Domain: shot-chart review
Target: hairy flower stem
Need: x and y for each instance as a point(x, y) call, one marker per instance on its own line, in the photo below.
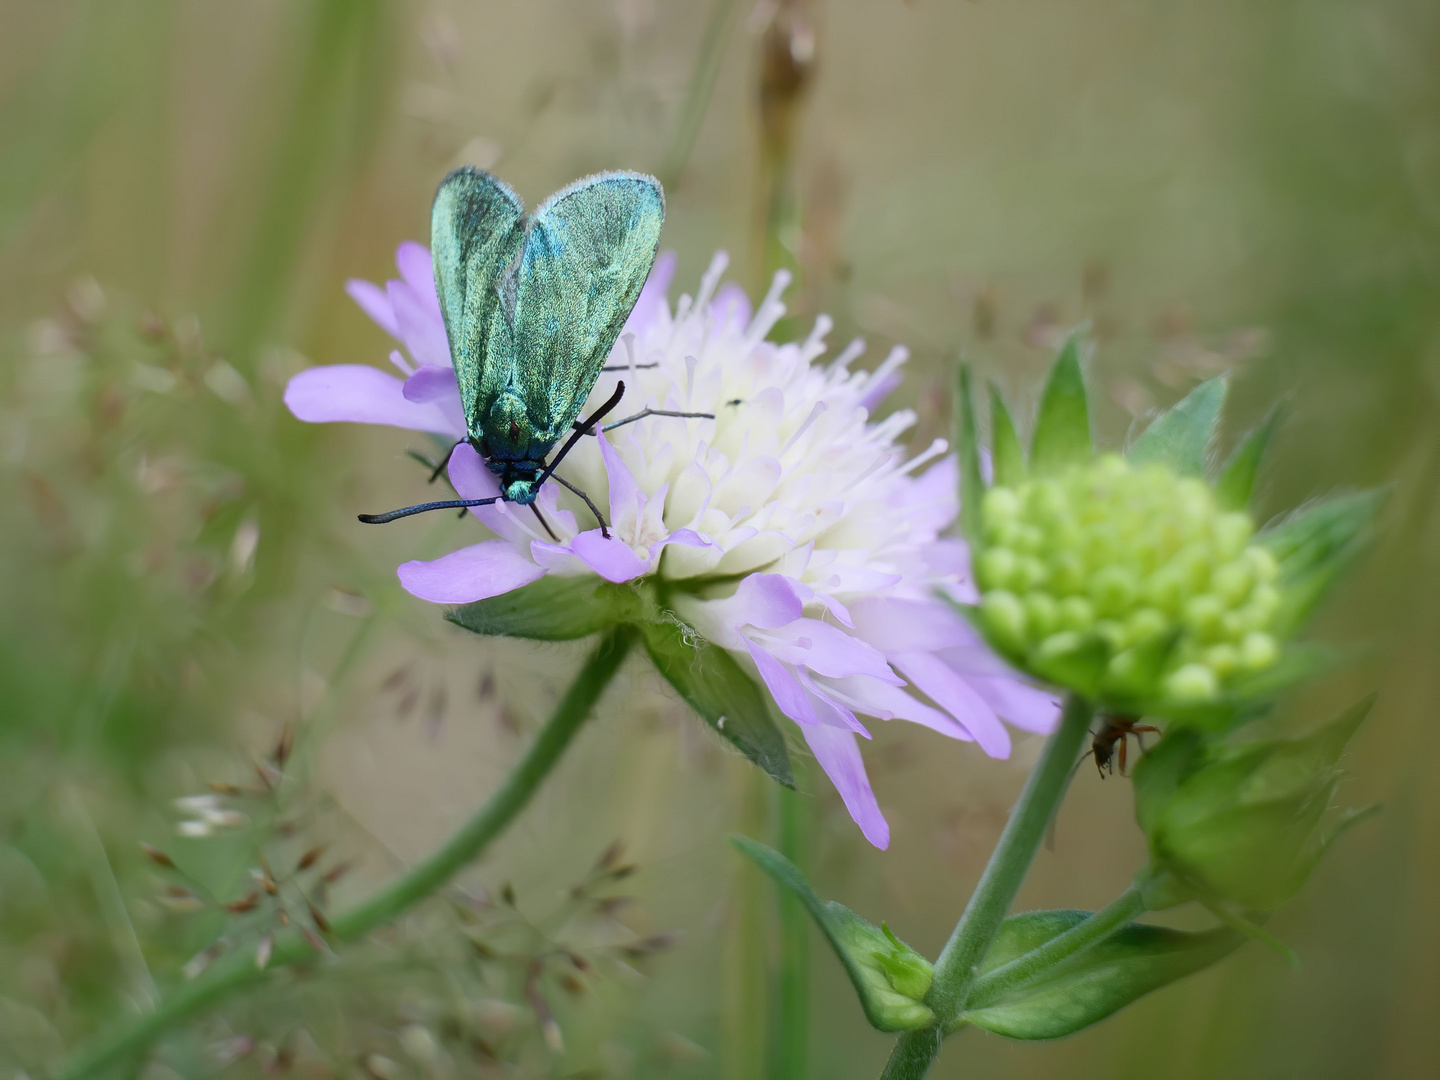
point(793, 1051)
point(990, 903)
point(239, 969)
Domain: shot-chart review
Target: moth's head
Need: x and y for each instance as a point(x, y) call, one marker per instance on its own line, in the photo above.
point(520, 489)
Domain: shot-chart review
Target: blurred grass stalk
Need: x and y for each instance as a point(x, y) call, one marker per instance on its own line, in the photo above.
point(786, 64)
point(326, 134)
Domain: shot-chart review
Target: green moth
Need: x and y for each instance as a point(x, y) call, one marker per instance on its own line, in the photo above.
point(532, 305)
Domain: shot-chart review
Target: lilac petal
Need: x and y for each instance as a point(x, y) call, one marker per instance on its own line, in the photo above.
point(361, 394)
point(893, 625)
point(946, 688)
point(828, 709)
point(653, 296)
point(836, 751)
point(764, 600)
point(558, 559)
point(472, 573)
point(431, 383)
point(612, 559)
point(469, 474)
point(731, 305)
point(1027, 707)
point(789, 695)
point(689, 537)
point(893, 703)
point(375, 303)
point(422, 329)
point(684, 537)
point(627, 501)
point(930, 498)
point(418, 270)
point(472, 480)
point(826, 650)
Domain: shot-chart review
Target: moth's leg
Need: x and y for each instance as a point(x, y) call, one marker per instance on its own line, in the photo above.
point(643, 413)
point(435, 475)
point(541, 518)
point(604, 528)
point(582, 428)
point(631, 367)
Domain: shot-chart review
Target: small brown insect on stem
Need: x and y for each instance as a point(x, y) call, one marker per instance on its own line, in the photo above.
point(1112, 741)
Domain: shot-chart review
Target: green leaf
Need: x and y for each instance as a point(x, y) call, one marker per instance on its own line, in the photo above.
point(1006, 456)
point(720, 691)
point(1093, 984)
point(554, 608)
point(1314, 546)
point(1237, 479)
point(1182, 435)
point(1062, 426)
point(890, 977)
point(967, 439)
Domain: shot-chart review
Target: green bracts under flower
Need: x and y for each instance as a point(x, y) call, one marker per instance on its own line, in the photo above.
point(1242, 823)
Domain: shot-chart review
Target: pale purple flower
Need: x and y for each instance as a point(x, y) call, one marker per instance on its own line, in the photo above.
point(791, 528)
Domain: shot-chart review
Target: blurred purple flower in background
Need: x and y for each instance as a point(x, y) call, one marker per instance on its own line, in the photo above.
point(789, 530)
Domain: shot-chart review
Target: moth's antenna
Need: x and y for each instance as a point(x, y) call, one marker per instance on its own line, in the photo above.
point(541, 518)
point(604, 528)
point(582, 428)
point(422, 508)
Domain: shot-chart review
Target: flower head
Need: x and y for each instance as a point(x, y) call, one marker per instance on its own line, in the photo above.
point(1141, 582)
point(790, 530)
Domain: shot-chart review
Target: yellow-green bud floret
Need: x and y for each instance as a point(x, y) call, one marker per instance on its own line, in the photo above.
point(1137, 558)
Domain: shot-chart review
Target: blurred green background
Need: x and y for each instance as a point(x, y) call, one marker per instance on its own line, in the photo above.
point(184, 188)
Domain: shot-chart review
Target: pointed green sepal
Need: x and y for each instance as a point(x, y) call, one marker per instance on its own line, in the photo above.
point(890, 977)
point(1006, 456)
point(1062, 425)
point(1242, 823)
point(721, 693)
point(554, 608)
point(967, 441)
point(1236, 483)
point(1182, 436)
point(1314, 546)
point(1093, 984)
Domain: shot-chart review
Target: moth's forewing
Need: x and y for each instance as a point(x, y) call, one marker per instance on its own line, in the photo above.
point(477, 228)
point(587, 254)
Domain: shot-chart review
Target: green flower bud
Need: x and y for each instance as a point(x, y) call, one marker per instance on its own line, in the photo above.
point(1042, 613)
point(1242, 822)
point(996, 568)
point(1004, 618)
point(1081, 560)
point(1192, 682)
point(890, 977)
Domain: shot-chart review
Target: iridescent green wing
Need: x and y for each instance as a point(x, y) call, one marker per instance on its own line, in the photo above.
point(587, 254)
point(476, 233)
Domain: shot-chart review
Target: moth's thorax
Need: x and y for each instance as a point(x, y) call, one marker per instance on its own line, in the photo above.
point(512, 449)
point(509, 434)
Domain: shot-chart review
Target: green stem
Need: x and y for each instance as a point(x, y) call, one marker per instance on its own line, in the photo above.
point(993, 985)
point(794, 1034)
point(238, 969)
point(990, 903)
